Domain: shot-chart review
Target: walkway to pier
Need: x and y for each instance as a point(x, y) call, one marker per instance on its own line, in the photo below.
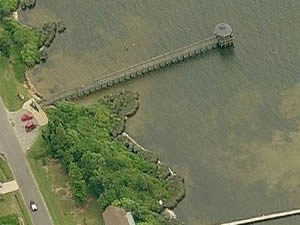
point(264, 218)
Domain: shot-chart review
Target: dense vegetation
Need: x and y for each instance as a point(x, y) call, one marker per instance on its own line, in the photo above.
point(19, 43)
point(80, 137)
point(9, 220)
point(8, 6)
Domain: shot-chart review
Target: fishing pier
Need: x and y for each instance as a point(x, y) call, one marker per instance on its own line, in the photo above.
point(222, 38)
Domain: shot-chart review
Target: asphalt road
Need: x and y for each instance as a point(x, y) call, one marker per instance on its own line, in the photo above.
point(16, 158)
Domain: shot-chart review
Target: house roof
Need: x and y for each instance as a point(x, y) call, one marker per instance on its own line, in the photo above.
point(223, 29)
point(116, 216)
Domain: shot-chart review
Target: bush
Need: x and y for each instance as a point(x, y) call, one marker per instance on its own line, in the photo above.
point(26, 40)
point(4, 43)
point(9, 220)
point(8, 6)
point(18, 42)
point(78, 185)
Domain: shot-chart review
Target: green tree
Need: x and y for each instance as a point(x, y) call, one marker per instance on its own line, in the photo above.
point(8, 6)
point(79, 189)
point(4, 43)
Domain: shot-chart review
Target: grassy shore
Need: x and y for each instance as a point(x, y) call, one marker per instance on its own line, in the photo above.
point(10, 86)
point(54, 185)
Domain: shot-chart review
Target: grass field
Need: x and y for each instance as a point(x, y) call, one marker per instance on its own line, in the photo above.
point(5, 173)
point(12, 203)
point(10, 86)
point(53, 183)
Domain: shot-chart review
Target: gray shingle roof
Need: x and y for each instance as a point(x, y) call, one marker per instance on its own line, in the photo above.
point(223, 29)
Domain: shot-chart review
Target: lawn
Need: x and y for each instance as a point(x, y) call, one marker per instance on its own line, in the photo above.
point(10, 86)
point(53, 183)
point(12, 203)
point(5, 173)
point(9, 220)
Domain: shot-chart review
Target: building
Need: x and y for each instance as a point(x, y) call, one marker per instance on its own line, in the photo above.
point(224, 34)
point(116, 216)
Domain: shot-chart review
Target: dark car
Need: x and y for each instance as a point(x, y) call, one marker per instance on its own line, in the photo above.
point(33, 206)
point(30, 126)
point(26, 117)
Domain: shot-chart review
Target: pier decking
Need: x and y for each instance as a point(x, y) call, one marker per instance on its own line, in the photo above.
point(264, 218)
point(144, 67)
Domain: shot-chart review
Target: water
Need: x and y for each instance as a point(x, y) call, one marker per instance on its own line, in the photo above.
point(228, 122)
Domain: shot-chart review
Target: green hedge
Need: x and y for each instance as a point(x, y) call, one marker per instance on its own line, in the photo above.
point(9, 220)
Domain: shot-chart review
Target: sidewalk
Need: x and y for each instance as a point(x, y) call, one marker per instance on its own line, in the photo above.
point(9, 187)
point(39, 114)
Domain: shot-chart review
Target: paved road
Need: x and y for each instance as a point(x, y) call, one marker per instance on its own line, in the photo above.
point(16, 158)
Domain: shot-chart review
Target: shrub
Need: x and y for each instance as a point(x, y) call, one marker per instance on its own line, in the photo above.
point(9, 220)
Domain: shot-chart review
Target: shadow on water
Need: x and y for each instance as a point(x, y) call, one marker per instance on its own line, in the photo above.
point(227, 54)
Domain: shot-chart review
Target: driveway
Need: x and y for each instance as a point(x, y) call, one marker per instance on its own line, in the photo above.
point(26, 139)
point(16, 158)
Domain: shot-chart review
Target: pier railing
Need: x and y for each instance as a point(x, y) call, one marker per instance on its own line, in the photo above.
point(263, 218)
point(136, 70)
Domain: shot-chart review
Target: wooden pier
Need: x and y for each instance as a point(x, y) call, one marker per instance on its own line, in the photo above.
point(265, 218)
point(222, 38)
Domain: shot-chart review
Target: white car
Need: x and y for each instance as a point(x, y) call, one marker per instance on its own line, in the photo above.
point(33, 206)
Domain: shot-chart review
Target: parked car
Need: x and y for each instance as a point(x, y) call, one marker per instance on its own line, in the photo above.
point(30, 126)
point(27, 116)
point(33, 206)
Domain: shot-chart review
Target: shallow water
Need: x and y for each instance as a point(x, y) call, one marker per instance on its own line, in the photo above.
point(228, 121)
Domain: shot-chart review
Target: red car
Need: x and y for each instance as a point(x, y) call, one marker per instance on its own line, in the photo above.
point(30, 126)
point(26, 117)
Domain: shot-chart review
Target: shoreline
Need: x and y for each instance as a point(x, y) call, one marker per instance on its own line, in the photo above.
point(16, 16)
point(32, 91)
point(166, 211)
point(174, 182)
point(49, 30)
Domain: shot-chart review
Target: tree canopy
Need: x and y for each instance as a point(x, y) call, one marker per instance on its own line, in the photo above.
point(96, 162)
point(8, 6)
point(18, 42)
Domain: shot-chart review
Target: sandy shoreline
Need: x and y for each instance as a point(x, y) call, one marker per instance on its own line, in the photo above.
point(16, 15)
